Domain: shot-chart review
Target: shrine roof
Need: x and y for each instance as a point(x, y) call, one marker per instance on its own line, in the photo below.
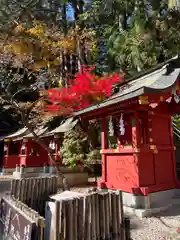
point(66, 126)
point(155, 80)
point(17, 134)
point(22, 133)
point(40, 131)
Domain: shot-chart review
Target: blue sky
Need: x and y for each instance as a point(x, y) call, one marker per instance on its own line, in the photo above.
point(70, 12)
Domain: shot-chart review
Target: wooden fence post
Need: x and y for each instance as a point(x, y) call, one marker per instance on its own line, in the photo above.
point(85, 217)
point(107, 215)
point(127, 228)
point(56, 232)
point(89, 233)
point(94, 220)
point(117, 216)
point(70, 219)
point(80, 218)
point(102, 216)
point(121, 215)
point(97, 212)
point(75, 218)
point(114, 216)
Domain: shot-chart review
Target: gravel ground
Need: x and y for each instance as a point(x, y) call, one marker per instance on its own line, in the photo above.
point(161, 226)
point(5, 185)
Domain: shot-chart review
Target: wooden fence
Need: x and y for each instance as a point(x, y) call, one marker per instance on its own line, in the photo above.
point(18, 221)
point(34, 191)
point(95, 216)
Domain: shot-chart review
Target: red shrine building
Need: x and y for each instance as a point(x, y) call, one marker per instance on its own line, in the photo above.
point(21, 150)
point(12, 149)
point(137, 142)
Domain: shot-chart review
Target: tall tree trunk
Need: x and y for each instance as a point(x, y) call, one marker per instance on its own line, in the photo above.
point(64, 60)
point(84, 51)
point(78, 43)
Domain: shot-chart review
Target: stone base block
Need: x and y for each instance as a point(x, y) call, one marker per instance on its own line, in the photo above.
point(11, 171)
point(141, 213)
point(7, 171)
point(38, 171)
point(146, 206)
point(153, 200)
point(74, 179)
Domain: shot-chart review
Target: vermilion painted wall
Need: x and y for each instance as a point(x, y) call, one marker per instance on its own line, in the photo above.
point(34, 160)
point(121, 172)
point(149, 165)
point(11, 161)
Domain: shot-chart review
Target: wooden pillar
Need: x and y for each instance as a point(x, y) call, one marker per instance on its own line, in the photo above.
point(23, 156)
point(104, 144)
point(6, 148)
point(54, 146)
point(173, 152)
point(24, 147)
point(57, 150)
point(6, 154)
point(136, 131)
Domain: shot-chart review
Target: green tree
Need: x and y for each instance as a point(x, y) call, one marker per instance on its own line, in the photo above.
point(26, 22)
point(135, 34)
point(74, 147)
point(79, 145)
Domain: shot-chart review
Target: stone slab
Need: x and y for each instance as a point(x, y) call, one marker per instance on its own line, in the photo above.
point(66, 195)
point(141, 213)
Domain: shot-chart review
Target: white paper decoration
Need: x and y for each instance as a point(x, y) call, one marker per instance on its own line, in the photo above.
point(111, 127)
point(121, 126)
point(52, 145)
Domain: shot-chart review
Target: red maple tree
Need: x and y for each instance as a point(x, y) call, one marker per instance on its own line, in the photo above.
point(85, 90)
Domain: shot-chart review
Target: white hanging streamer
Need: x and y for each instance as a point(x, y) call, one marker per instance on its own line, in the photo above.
point(52, 145)
point(176, 97)
point(121, 126)
point(5, 148)
point(23, 147)
point(111, 127)
point(153, 105)
point(169, 100)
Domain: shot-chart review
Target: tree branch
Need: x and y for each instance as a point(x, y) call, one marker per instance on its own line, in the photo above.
point(26, 123)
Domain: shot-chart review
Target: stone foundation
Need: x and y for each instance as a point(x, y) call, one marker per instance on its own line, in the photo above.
point(145, 206)
point(7, 171)
point(50, 169)
point(74, 176)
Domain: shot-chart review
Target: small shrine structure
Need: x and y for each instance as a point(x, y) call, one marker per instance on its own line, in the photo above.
point(20, 148)
point(32, 155)
point(138, 152)
point(12, 149)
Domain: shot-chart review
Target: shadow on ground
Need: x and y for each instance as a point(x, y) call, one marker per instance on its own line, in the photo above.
point(5, 186)
point(170, 212)
point(136, 223)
